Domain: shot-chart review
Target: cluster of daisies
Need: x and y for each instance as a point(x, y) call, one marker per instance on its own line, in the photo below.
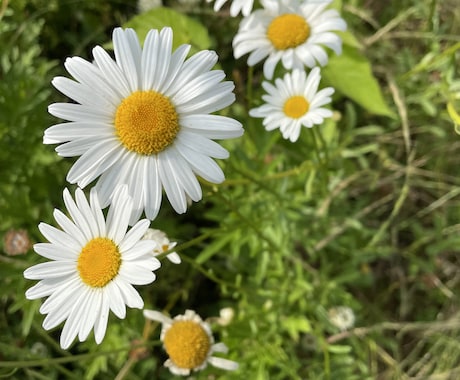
point(143, 123)
point(140, 124)
point(294, 32)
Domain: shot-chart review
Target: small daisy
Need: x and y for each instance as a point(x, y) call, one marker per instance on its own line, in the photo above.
point(243, 6)
point(290, 31)
point(342, 317)
point(144, 119)
point(95, 263)
point(163, 244)
point(294, 102)
point(189, 342)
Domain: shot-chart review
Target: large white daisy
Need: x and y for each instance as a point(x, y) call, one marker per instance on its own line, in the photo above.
point(95, 263)
point(243, 6)
point(294, 102)
point(290, 31)
point(189, 343)
point(144, 119)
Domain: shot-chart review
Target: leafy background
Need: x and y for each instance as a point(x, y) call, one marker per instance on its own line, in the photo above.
point(362, 211)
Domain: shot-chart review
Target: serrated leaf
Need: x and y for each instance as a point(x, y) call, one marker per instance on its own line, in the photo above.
point(186, 30)
point(350, 73)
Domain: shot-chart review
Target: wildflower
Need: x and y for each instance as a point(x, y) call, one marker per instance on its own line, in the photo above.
point(144, 119)
point(95, 263)
point(189, 343)
point(163, 244)
point(16, 242)
point(243, 6)
point(342, 317)
point(225, 316)
point(147, 5)
point(290, 31)
point(294, 102)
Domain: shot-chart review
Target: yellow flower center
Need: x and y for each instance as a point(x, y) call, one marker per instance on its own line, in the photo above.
point(296, 106)
point(146, 122)
point(187, 344)
point(99, 262)
point(288, 31)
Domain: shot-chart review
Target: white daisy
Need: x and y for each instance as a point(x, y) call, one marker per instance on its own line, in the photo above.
point(144, 119)
point(243, 6)
point(189, 343)
point(163, 244)
point(342, 317)
point(294, 102)
point(290, 31)
point(95, 263)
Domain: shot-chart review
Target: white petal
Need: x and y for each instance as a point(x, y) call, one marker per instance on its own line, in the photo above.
point(69, 227)
point(100, 325)
point(130, 295)
point(127, 55)
point(152, 188)
point(136, 274)
point(171, 183)
point(76, 214)
point(112, 73)
point(116, 303)
point(50, 269)
point(119, 214)
point(223, 363)
point(134, 235)
point(212, 126)
point(157, 316)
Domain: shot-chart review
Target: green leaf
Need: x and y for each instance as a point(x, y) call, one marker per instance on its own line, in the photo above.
point(186, 30)
point(339, 349)
point(295, 325)
point(350, 73)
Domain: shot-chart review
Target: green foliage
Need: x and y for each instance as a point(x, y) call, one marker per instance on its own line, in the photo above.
point(186, 29)
point(363, 211)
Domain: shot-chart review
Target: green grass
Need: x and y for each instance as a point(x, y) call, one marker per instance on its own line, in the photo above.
point(363, 211)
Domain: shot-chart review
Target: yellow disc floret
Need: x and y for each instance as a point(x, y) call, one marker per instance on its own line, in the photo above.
point(296, 106)
point(187, 344)
point(288, 31)
point(99, 262)
point(146, 122)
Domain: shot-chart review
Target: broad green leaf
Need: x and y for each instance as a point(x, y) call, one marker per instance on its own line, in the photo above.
point(186, 30)
point(350, 73)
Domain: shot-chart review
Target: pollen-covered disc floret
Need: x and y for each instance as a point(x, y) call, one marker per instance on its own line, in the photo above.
point(237, 6)
point(293, 102)
point(144, 119)
point(189, 343)
point(94, 263)
point(291, 31)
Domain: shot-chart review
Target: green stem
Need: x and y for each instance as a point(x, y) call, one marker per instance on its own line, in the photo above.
point(52, 361)
point(321, 162)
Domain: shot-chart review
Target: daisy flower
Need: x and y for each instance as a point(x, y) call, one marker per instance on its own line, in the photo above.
point(95, 263)
point(294, 102)
point(189, 342)
point(342, 317)
point(243, 6)
point(163, 244)
point(144, 119)
point(290, 31)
